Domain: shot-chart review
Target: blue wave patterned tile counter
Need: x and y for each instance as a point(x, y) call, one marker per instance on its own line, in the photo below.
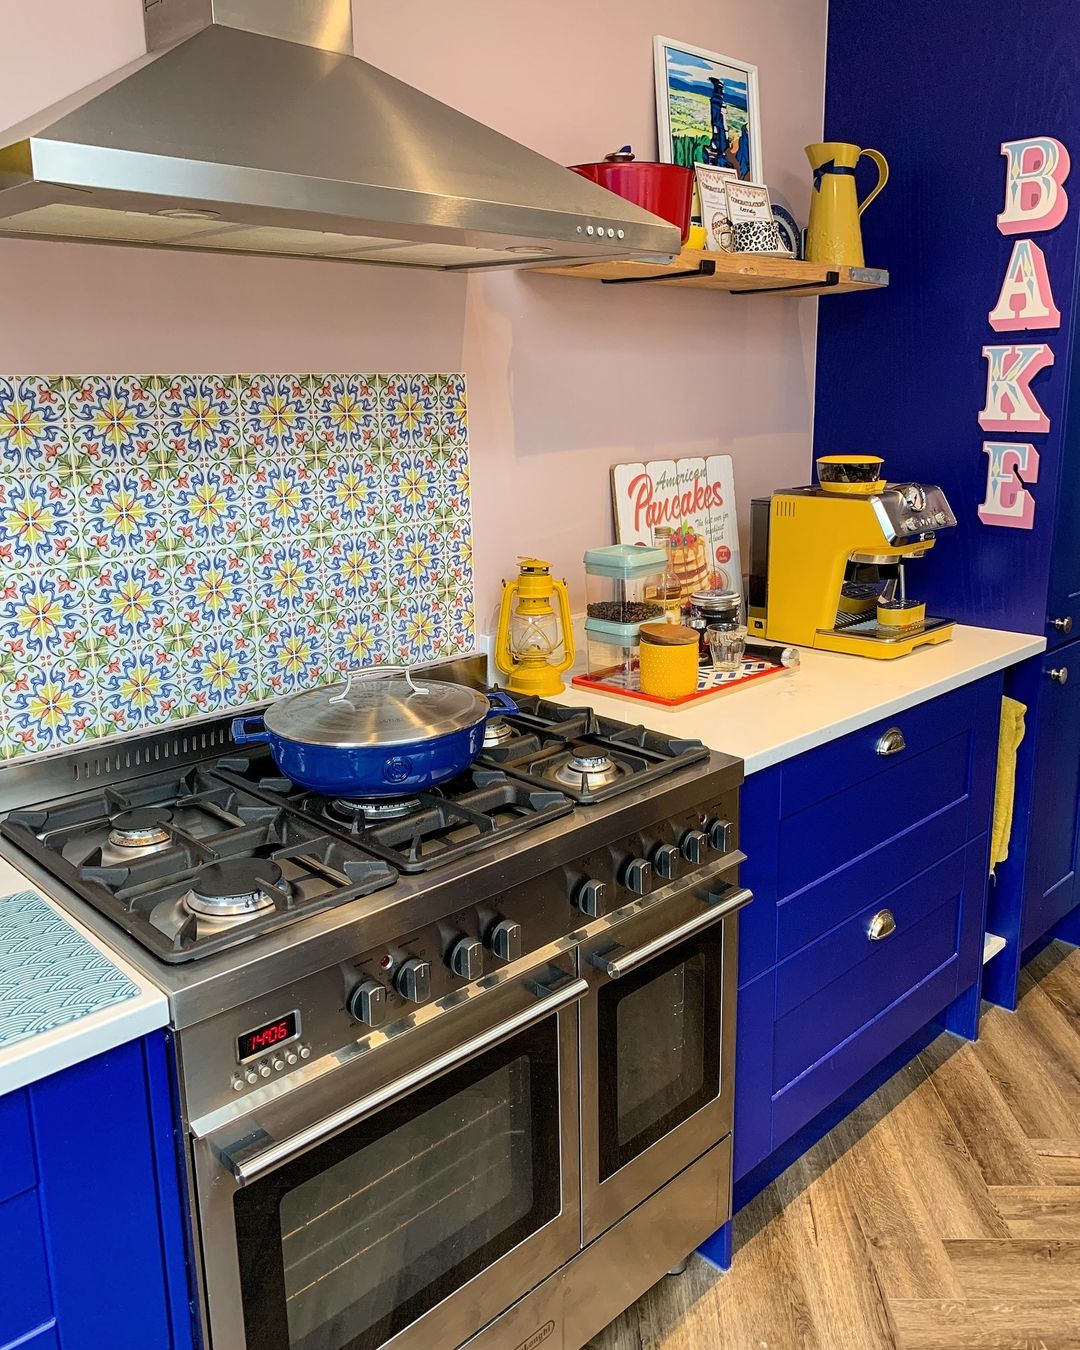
point(50, 975)
point(174, 546)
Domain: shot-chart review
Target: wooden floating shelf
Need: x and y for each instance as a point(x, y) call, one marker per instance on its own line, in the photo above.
point(737, 273)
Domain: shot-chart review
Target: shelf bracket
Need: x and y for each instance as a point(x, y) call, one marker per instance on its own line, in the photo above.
point(705, 268)
point(829, 279)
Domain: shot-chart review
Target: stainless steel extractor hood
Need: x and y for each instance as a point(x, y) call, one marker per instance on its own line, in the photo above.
point(251, 127)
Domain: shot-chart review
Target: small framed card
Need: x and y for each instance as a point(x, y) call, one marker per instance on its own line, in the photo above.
point(747, 201)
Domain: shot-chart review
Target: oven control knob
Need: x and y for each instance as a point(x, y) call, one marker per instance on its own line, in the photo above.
point(237, 1083)
point(467, 958)
point(505, 940)
point(264, 1070)
point(638, 876)
point(367, 1004)
point(591, 898)
point(695, 844)
point(413, 980)
point(721, 835)
point(290, 1056)
point(666, 859)
point(277, 1064)
point(250, 1076)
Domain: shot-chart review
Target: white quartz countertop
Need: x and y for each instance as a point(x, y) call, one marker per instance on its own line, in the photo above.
point(827, 696)
point(64, 996)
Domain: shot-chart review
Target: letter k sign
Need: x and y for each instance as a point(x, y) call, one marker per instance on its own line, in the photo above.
point(1010, 405)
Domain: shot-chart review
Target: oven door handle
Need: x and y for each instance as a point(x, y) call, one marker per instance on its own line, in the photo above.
point(248, 1159)
point(719, 905)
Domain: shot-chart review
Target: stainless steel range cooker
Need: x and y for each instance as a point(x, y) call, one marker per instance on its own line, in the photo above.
point(455, 1070)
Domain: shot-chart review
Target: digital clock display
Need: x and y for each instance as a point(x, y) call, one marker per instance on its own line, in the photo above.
point(268, 1036)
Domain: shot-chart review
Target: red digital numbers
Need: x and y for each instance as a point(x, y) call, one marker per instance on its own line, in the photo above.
point(262, 1038)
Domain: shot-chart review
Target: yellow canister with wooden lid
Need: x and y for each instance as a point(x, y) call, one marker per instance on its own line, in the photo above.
point(668, 658)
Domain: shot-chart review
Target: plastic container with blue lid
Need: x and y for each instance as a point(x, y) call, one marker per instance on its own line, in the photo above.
point(624, 583)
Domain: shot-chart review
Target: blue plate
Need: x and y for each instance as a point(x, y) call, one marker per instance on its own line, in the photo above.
point(790, 234)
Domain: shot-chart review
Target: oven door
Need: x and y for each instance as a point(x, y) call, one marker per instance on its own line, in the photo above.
point(404, 1195)
point(657, 1044)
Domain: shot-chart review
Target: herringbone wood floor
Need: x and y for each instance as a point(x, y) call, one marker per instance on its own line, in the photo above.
point(943, 1214)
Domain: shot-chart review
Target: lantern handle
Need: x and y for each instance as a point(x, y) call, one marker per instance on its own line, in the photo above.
point(567, 626)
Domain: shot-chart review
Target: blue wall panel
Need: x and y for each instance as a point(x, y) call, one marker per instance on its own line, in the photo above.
point(937, 88)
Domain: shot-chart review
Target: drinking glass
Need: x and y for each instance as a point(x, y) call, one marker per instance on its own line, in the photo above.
point(727, 643)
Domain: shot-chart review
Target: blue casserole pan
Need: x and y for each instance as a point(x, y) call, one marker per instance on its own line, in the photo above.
point(378, 736)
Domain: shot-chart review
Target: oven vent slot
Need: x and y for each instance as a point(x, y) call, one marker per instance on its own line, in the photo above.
point(139, 756)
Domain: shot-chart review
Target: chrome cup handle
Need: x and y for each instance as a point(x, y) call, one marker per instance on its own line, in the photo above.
point(372, 674)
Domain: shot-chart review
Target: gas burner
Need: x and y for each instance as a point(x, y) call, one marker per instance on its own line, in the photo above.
point(588, 770)
point(143, 828)
point(497, 732)
point(372, 809)
point(234, 888)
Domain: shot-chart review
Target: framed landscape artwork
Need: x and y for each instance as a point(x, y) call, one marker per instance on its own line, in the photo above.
point(707, 109)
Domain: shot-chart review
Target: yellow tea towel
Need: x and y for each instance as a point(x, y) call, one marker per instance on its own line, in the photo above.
point(1012, 733)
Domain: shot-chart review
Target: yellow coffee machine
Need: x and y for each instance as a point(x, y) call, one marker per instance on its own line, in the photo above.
point(827, 565)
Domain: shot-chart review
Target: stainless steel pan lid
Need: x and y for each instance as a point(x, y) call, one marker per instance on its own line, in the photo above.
point(376, 708)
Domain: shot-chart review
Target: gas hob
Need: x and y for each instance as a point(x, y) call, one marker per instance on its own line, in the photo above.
point(218, 878)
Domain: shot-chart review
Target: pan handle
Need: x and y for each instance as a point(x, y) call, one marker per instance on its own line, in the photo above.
point(500, 703)
point(249, 730)
point(368, 674)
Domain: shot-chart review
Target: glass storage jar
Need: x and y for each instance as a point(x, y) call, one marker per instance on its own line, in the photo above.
point(613, 652)
point(713, 609)
point(623, 583)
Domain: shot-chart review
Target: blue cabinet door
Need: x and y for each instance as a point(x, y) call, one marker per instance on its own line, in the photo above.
point(1063, 607)
point(1050, 884)
point(92, 1227)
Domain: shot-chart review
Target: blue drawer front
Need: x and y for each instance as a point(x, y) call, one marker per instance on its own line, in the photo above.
point(17, 1169)
point(842, 981)
point(854, 820)
point(854, 759)
point(25, 1297)
point(860, 988)
point(803, 917)
point(43, 1339)
point(818, 1088)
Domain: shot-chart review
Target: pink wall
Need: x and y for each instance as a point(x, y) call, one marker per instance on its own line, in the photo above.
point(565, 377)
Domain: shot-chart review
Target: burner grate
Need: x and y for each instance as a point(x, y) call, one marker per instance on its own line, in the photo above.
point(478, 808)
point(553, 741)
point(211, 823)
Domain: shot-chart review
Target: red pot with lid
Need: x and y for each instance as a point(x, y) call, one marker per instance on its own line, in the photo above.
point(664, 189)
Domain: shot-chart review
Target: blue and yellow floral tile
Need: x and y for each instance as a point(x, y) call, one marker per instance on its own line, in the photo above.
point(178, 545)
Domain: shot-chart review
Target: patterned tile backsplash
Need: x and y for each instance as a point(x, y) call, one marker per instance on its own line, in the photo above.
point(174, 546)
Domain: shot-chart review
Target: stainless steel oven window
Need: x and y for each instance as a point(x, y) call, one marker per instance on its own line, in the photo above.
point(347, 1245)
point(658, 1049)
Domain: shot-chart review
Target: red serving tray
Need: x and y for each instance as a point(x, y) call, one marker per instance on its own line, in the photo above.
point(716, 682)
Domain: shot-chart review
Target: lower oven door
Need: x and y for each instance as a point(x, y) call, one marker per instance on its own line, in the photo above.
point(404, 1195)
point(657, 1044)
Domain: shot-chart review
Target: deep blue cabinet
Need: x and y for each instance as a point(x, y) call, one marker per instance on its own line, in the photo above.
point(902, 372)
point(1050, 883)
point(869, 872)
point(91, 1220)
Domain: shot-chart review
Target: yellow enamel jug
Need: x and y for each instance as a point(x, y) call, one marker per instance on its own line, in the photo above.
point(833, 235)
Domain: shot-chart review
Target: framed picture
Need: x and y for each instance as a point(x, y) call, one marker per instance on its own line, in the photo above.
point(707, 109)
